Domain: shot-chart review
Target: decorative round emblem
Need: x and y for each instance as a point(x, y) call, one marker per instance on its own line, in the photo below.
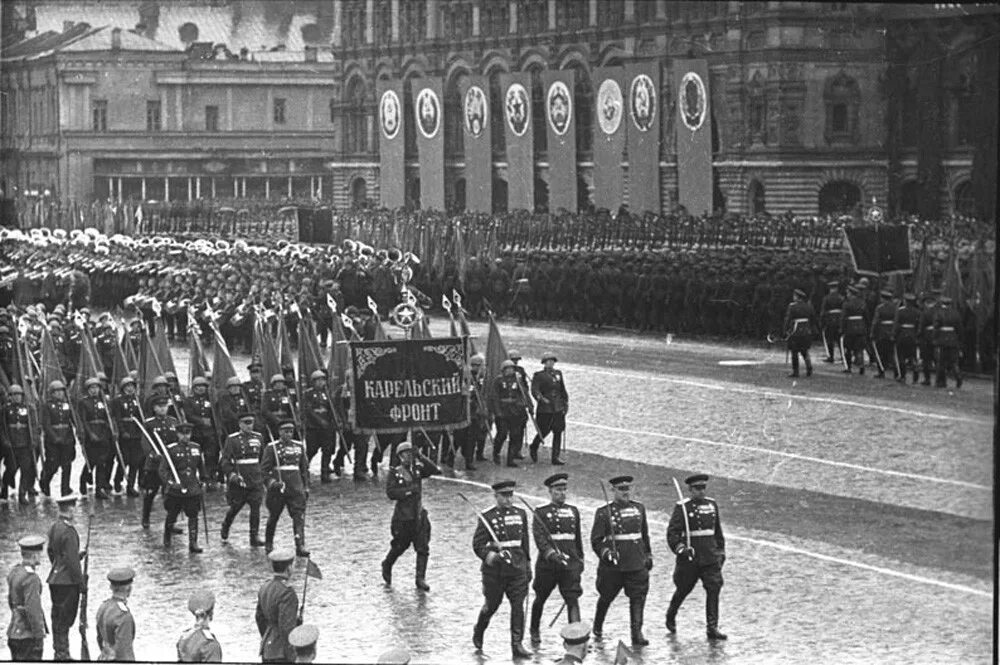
point(476, 111)
point(642, 102)
point(388, 112)
point(405, 315)
point(428, 109)
point(559, 105)
point(517, 109)
point(609, 106)
point(875, 214)
point(693, 102)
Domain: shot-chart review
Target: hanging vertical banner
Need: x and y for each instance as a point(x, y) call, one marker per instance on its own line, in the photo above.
point(561, 132)
point(429, 122)
point(478, 144)
point(694, 136)
point(609, 137)
point(392, 180)
point(643, 106)
point(520, 141)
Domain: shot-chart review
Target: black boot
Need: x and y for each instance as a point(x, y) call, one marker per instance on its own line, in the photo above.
point(479, 632)
point(636, 607)
point(224, 535)
point(422, 572)
point(534, 627)
point(193, 536)
point(675, 605)
point(517, 650)
point(599, 613)
point(168, 531)
point(147, 508)
point(712, 616)
point(387, 568)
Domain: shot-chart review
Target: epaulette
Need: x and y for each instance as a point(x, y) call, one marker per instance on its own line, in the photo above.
point(122, 606)
point(683, 501)
point(708, 498)
point(207, 633)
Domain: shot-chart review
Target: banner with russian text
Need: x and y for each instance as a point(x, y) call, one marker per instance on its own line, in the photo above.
point(609, 137)
point(403, 385)
point(392, 178)
point(429, 122)
point(694, 135)
point(520, 141)
point(478, 144)
point(643, 104)
point(560, 130)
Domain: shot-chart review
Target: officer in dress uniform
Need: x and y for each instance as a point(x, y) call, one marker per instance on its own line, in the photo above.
point(904, 331)
point(556, 529)
point(240, 462)
point(925, 336)
point(285, 468)
point(182, 474)
point(410, 523)
point(124, 408)
point(231, 404)
point(66, 575)
point(27, 629)
point(575, 637)
point(947, 343)
point(17, 432)
point(319, 423)
point(162, 429)
point(620, 538)
point(197, 644)
point(277, 610)
point(199, 412)
point(701, 552)
point(60, 443)
point(303, 641)
point(881, 333)
point(853, 318)
point(510, 407)
point(549, 390)
point(115, 624)
point(506, 568)
point(800, 317)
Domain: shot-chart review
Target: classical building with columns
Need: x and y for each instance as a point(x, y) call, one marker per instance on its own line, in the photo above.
point(815, 107)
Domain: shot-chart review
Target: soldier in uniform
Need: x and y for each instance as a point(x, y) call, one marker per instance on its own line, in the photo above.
point(66, 575)
point(125, 409)
point(319, 423)
point(575, 637)
point(904, 331)
point(285, 468)
point(853, 323)
point(410, 523)
point(303, 641)
point(926, 337)
point(115, 624)
point(830, 311)
point(27, 629)
point(277, 405)
point(510, 407)
point(197, 644)
point(277, 610)
point(701, 551)
point(881, 333)
point(254, 392)
point(17, 432)
point(479, 421)
point(620, 538)
point(240, 462)
point(199, 412)
point(800, 317)
point(506, 568)
point(231, 404)
point(60, 443)
point(947, 343)
point(549, 391)
point(182, 472)
point(176, 396)
point(556, 528)
point(162, 429)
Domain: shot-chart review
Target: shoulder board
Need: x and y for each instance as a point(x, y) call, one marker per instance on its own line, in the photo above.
point(683, 501)
point(123, 607)
point(207, 633)
point(708, 498)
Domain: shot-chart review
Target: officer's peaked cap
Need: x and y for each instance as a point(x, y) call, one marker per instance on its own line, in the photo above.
point(504, 486)
point(556, 479)
point(621, 480)
point(696, 478)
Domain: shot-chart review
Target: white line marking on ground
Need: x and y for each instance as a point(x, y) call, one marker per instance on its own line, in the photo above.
point(804, 458)
point(774, 393)
point(784, 548)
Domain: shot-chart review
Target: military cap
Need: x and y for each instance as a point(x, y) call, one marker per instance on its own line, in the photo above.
point(352, 311)
point(799, 293)
point(477, 359)
point(621, 480)
point(507, 363)
point(833, 284)
point(160, 400)
point(397, 656)
point(556, 479)
point(184, 427)
point(504, 486)
point(57, 385)
point(304, 636)
point(910, 297)
point(281, 556)
point(928, 295)
point(886, 293)
point(234, 382)
point(92, 382)
point(696, 478)
point(404, 447)
point(126, 381)
point(254, 365)
point(169, 375)
point(201, 601)
point(318, 374)
point(199, 381)
point(121, 575)
point(160, 381)
point(244, 415)
point(548, 355)
point(575, 633)
point(31, 543)
point(286, 424)
point(514, 355)
point(276, 378)
point(67, 500)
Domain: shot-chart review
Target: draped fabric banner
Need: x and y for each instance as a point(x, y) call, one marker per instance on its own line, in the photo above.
point(609, 137)
point(694, 136)
point(428, 120)
point(403, 385)
point(560, 120)
point(392, 179)
point(520, 141)
point(478, 144)
point(643, 104)
point(880, 250)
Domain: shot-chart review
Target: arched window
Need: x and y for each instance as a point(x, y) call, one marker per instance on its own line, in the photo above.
point(756, 111)
point(961, 105)
point(456, 19)
point(909, 110)
point(499, 195)
point(412, 21)
point(909, 198)
point(838, 197)
point(964, 199)
point(188, 33)
point(610, 13)
point(841, 96)
point(356, 116)
point(758, 203)
point(494, 19)
point(571, 14)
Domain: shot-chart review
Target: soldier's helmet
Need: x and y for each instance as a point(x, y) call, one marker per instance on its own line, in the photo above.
point(56, 385)
point(92, 382)
point(233, 381)
point(15, 389)
point(277, 378)
point(128, 380)
point(477, 359)
point(160, 381)
point(199, 381)
point(507, 364)
point(318, 374)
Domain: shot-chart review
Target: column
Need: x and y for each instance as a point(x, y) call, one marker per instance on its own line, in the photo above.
point(432, 19)
point(197, 187)
point(190, 189)
point(319, 186)
point(236, 187)
point(289, 186)
point(243, 183)
point(142, 191)
point(475, 19)
point(369, 21)
point(267, 188)
point(111, 188)
point(592, 13)
point(394, 10)
point(166, 189)
point(119, 189)
point(512, 13)
point(630, 10)
point(178, 110)
point(552, 14)
point(661, 8)
point(213, 187)
point(338, 30)
point(229, 108)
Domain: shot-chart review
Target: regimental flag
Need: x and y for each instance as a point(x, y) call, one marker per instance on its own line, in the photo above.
point(120, 367)
point(310, 359)
point(270, 364)
point(222, 368)
point(694, 135)
point(879, 250)
point(478, 144)
point(149, 365)
point(609, 137)
point(88, 367)
point(520, 140)
point(197, 362)
point(642, 104)
point(951, 283)
point(982, 287)
point(50, 368)
point(560, 121)
point(392, 128)
point(496, 352)
point(161, 348)
point(285, 355)
point(428, 113)
point(922, 277)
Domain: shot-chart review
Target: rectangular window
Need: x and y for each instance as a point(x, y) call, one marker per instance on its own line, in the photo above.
point(211, 118)
point(99, 113)
point(153, 116)
point(279, 111)
point(839, 119)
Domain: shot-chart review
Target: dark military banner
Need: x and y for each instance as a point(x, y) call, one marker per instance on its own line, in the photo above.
point(609, 137)
point(561, 132)
point(478, 144)
point(429, 123)
point(694, 136)
point(403, 385)
point(880, 250)
point(643, 104)
point(520, 141)
point(392, 180)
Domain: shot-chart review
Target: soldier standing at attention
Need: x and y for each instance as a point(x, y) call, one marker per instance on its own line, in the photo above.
point(27, 629)
point(66, 575)
point(183, 476)
point(198, 644)
point(277, 610)
point(410, 524)
point(285, 467)
point(830, 310)
point(115, 625)
point(947, 342)
point(240, 462)
point(549, 391)
point(701, 551)
point(799, 319)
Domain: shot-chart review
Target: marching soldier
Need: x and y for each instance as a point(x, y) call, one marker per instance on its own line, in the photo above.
point(115, 624)
point(27, 629)
point(182, 471)
point(549, 391)
point(160, 388)
point(700, 547)
point(17, 432)
point(126, 410)
point(479, 421)
point(286, 471)
point(881, 333)
point(163, 431)
point(799, 320)
point(240, 463)
point(197, 644)
point(556, 528)
point(510, 407)
point(620, 538)
point(254, 391)
point(410, 523)
point(277, 405)
point(66, 575)
point(277, 609)
point(198, 409)
point(506, 568)
point(319, 423)
point(926, 337)
point(853, 319)
point(904, 331)
point(231, 404)
point(947, 343)
point(60, 441)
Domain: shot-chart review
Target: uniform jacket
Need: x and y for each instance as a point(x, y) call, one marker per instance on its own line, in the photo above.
point(57, 423)
point(198, 409)
point(947, 328)
point(96, 420)
point(854, 316)
point(15, 425)
point(189, 465)
point(24, 597)
point(800, 317)
point(404, 486)
point(563, 524)
point(478, 399)
point(64, 554)
point(624, 525)
point(123, 409)
point(230, 408)
point(277, 407)
point(549, 391)
point(115, 630)
point(882, 324)
point(906, 323)
point(198, 645)
point(511, 528)
point(830, 309)
point(926, 327)
point(507, 400)
point(164, 432)
point(706, 530)
point(316, 412)
point(277, 609)
point(241, 458)
point(286, 463)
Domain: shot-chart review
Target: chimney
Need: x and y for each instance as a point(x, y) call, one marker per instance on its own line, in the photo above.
point(116, 39)
point(310, 54)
